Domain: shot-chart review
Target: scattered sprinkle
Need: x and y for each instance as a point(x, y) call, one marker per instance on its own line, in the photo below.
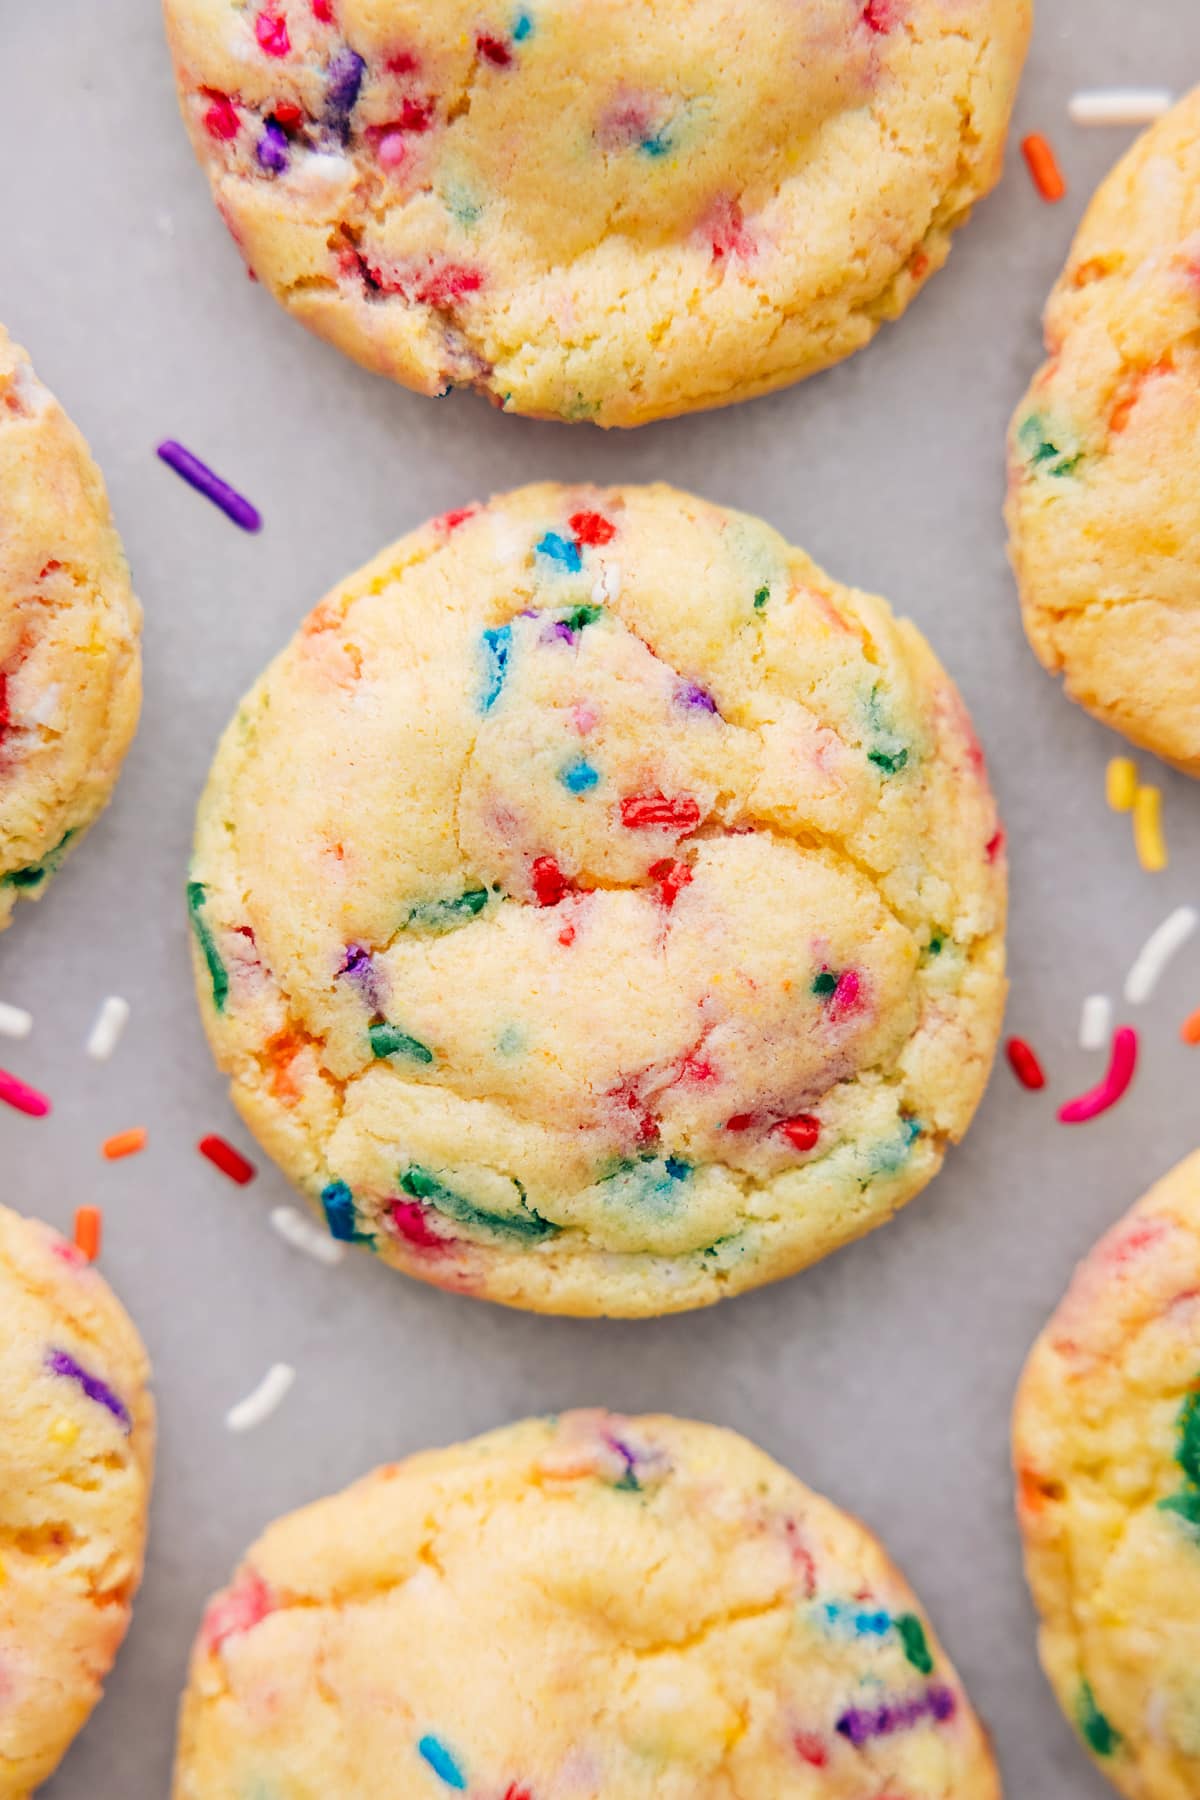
point(560, 550)
point(1095, 1022)
point(89, 1228)
point(1120, 783)
point(260, 1404)
point(340, 1214)
point(1043, 166)
point(1024, 1063)
point(15, 1022)
point(65, 1432)
point(61, 1362)
point(861, 1723)
point(1118, 106)
point(124, 1143)
point(580, 777)
point(1157, 951)
point(442, 1763)
point(549, 882)
point(497, 648)
point(231, 1162)
point(1097, 1100)
point(389, 1040)
point(1147, 830)
point(642, 812)
point(802, 1132)
point(592, 528)
point(1189, 1031)
point(25, 1099)
point(1097, 1732)
point(302, 1234)
point(107, 1027)
point(201, 477)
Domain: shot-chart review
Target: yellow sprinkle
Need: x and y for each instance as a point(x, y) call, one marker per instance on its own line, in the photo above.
point(64, 1431)
point(1121, 783)
point(3, 1574)
point(1147, 829)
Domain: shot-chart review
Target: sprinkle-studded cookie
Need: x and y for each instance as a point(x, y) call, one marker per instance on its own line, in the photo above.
point(597, 209)
point(598, 909)
point(589, 1605)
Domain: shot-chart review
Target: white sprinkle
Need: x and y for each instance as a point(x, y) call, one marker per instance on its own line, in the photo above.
point(15, 1022)
point(1157, 952)
point(1095, 1022)
point(302, 1234)
point(608, 585)
point(110, 1022)
point(259, 1405)
point(1118, 106)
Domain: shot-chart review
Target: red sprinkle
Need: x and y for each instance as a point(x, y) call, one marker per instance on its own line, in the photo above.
point(671, 877)
point(1025, 1065)
point(403, 63)
point(640, 812)
point(592, 528)
point(221, 119)
point(879, 16)
point(411, 1220)
point(24, 1099)
point(566, 936)
point(845, 996)
point(240, 1608)
point(5, 713)
point(493, 50)
point(415, 115)
point(801, 1132)
point(288, 114)
point(231, 1162)
point(323, 10)
point(740, 1122)
point(1121, 1067)
point(272, 33)
point(452, 520)
point(449, 282)
point(549, 882)
point(1043, 166)
point(811, 1749)
point(995, 844)
point(727, 233)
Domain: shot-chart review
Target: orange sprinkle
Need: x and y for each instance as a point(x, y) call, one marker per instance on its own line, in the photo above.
point(1043, 166)
point(125, 1143)
point(1189, 1031)
point(89, 1224)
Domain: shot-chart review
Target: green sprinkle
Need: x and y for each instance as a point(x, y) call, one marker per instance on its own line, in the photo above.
point(761, 596)
point(628, 1483)
point(1186, 1505)
point(1098, 1734)
point(934, 946)
point(579, 616)
point(33, 874)
point(824, 984)
point(389, 1040)
point(916, 1645)
point(422, 1184)
point(511, 1041)
point(197, 894)
point(1042, 452)
point(890, 764)
point(447, 915)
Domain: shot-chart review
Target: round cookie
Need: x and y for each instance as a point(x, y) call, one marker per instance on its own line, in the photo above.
point(576, 1606)
point(1106, 1439)
point(1104, 489)
point(70, 665)
point(598, 909)
point(76, 1456)
point(612, 210)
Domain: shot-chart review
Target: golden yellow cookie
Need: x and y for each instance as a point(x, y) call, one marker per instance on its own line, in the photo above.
point(1107, 1447)
point(70, 665)
point(597, 209)
point(76, 1455)
point(598, 909)
point(591, 1605)
point(1104, 490)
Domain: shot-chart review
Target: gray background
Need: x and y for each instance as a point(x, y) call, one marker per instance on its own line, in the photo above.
point(883, 1377)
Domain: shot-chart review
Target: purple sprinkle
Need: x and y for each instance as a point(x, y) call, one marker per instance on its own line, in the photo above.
point(361, 970)
point(59, 1362)
point(345, 74)
point(692, 695)
point(201, 477)
point(561, 632)
point(861, 1723)
point(272, 151)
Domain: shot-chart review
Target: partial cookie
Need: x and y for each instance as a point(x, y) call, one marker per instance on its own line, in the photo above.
point(588, 1605)
point(76, 1456)
point(599, 209)
point(598, 909)
point(1106, 1439)
point(1104, 489)
point(70, 663)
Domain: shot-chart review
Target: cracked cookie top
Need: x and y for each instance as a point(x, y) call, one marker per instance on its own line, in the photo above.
point(1104, 484)
point(70, 663)
point(1106, 1442)
point(571, 1607)
point(598, 909)
point(76, 1452)
point(605, 209)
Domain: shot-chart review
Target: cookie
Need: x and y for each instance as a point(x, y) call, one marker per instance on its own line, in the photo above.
point(70, 664)
point(1107, 1449)
point(76, 1455)
point(1104, 488)
point(598, 909)
point(576, 1606)
point(613, 210)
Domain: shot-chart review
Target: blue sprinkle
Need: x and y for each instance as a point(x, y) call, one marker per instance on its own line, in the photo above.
point(658, 145)
point(864, 1624)
point(340, 1215)
point(442, 1763)
point(497, 647)
point(580, 777)
point(677, 1169)
point(560, 550)
point(523, 28)
point(272, 149)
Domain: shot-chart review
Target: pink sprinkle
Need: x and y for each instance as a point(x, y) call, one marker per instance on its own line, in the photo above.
point(25, 1099)
point(995, 844)
point(221, 119)
point(1121, 1067)
point(845, 994)
point(726, 226)
point(239, 1609)
point(272, 33)
point(404, 62)
point(411, 1220)
point(879, 15)
point(449, 282)
point(323, 10)
point(391, 149)
point(584, 718)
